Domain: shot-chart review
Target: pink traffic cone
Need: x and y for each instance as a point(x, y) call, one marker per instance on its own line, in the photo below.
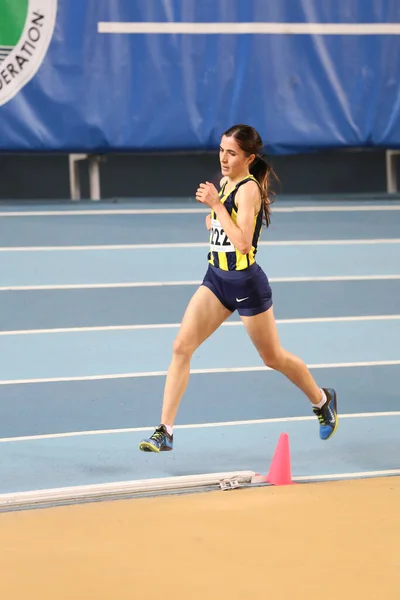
point(280, 472)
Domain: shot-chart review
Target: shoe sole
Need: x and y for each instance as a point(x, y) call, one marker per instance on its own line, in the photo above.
point(336, 417)
point(148, 447)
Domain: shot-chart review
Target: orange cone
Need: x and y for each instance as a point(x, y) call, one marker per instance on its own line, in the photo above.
point(280, 472)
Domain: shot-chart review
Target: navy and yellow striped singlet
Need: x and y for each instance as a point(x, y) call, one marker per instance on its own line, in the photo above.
point(223, 253)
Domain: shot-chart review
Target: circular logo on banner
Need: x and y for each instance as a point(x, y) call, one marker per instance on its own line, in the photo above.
point(26, 29)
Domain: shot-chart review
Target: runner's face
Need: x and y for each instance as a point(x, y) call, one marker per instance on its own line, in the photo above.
point(234, 161)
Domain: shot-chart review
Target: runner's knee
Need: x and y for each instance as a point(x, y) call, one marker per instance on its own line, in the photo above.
point(182, 348)
point(274, 359)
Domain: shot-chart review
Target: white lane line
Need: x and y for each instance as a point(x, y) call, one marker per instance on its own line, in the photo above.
point(68, 434)
point(322, 209)
point(173, 245)
point(242, 28)
point(134, 375)
point(297, 321)
point(358, 475)
point(135, 284)
point(96, 286)
point(188, 211)
point(106, 212)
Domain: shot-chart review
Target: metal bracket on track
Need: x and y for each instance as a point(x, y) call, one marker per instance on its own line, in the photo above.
point(230, 484)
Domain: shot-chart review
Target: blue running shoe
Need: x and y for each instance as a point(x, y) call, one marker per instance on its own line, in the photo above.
point(327, 415)
point(160, 441)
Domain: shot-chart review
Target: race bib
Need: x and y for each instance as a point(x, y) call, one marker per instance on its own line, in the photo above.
point(219, 241)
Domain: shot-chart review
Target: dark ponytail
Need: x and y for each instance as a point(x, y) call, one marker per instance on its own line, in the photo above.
point(249, 140)
point(262, 172)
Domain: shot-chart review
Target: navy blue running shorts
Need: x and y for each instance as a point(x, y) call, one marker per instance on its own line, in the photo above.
point(246, 291)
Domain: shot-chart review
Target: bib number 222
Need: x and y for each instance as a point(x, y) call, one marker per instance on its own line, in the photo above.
point(219, 237)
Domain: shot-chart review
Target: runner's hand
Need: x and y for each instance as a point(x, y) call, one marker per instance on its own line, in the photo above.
point(207, 194)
